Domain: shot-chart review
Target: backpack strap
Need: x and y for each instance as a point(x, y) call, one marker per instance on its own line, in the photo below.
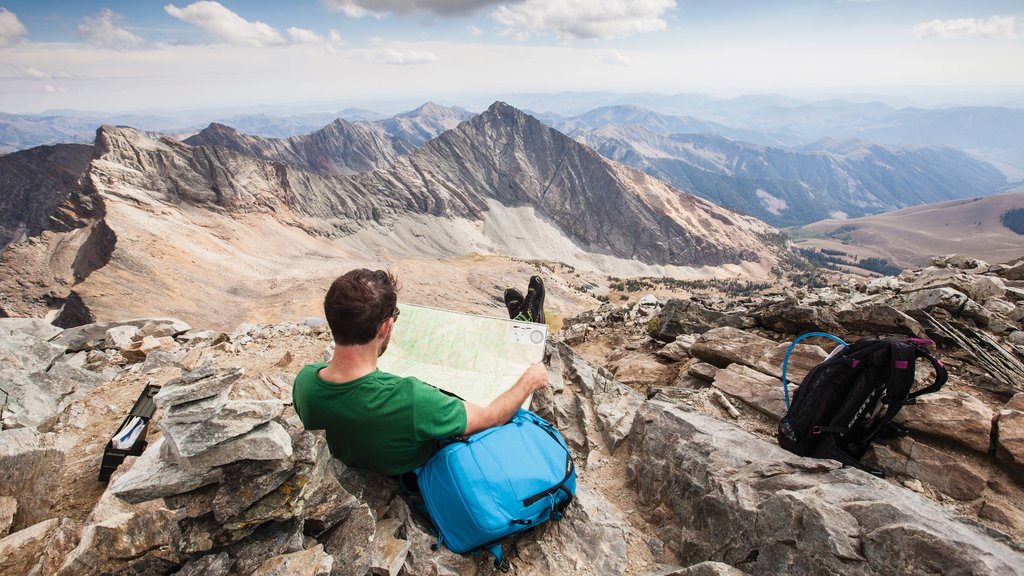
point(941, 375)
point(785, 361)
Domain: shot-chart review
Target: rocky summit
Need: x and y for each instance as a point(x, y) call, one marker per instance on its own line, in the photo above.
point(668, 403)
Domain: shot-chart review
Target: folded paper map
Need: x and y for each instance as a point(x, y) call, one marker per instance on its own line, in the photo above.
point(475, 357)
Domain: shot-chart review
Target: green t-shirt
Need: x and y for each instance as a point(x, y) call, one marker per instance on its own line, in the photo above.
point(381, 422)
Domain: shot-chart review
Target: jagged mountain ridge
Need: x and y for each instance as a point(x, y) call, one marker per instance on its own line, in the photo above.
point(421, 124)
point(339, 148)
point(502, 155)
point(36, 183)
point(182, 223)
point(827, 179)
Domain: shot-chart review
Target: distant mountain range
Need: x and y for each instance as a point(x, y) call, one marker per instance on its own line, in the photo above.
point(792, 186)
point(166, 221)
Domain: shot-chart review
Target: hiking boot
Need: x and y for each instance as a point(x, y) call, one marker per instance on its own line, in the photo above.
point(534, 303)
point(514, 302)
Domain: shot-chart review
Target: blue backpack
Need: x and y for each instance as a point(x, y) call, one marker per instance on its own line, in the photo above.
point(498, 482)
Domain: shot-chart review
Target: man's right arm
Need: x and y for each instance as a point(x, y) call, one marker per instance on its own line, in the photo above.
point(502, 408)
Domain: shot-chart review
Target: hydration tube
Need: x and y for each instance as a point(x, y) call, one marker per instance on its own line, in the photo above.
point(785, 361)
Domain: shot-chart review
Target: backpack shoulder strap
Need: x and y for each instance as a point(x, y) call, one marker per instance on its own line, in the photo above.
point(941, 375)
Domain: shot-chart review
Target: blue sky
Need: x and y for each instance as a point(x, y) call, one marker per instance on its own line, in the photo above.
point(126, 55)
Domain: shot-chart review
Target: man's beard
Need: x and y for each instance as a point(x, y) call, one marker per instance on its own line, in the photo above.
point(384, 346)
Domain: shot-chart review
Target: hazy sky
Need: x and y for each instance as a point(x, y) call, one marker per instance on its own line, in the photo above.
point(123, 55)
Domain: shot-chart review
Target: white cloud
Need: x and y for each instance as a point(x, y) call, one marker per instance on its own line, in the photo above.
point(474, 31)
point(584, 19)
point(104, 30)
point(1002, 27)
point(303, 36)
point(617, 58)
point(225, 25)
point(403, 57)
point(380, 8)
point(12, 30)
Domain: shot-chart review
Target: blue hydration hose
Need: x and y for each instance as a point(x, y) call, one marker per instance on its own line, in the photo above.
point(785, 361)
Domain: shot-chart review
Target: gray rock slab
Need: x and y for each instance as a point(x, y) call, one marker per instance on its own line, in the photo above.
point(109, 545)
point(792, 317)
point(119, 337)
point(311, 562)
point(268, 441)
point(722, 494)
point(195, 410)
point(203, 382)
point(388, 552)
point(40, 548)
point(8, 508)
point(680, 317)
point(32, 328)
point(269, 540)
point(614, 403)
point(30, 466)
point(954, 416)
point(421, 558)
point(762, 392)
point(91, 336)
point(1010, 441)
point(638, 369)
point(951, 300)
point(209, 565)
point(236, 417)
point(154, 476)
point(724, 346)
point(591, 539)
point(878, 319)
point(26, 352)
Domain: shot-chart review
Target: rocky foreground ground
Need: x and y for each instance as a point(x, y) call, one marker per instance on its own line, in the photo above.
point(668, 406)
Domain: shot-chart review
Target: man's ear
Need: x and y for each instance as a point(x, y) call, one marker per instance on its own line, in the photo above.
point(385, 327)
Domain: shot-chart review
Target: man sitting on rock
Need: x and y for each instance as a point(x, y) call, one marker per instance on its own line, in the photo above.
point(380, 421)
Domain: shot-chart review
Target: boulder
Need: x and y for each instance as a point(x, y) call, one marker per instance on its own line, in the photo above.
point(792, 317)
point(590, 539)
point(30, 466)
point(722, 494)
point(953, 477)
point(883, 284)
point(40, 548)
point(311, 562)
point(679, 317)
point(952, 301)
point(209, 565)
point(638, 369)
point(1000, 306)
point(202, 382)
point(235, 418)
point(137, 351)
point(153, 476)
point(120, 337)
point(1010, 441)
point(8, 508)
point(724, 346)
point(954, 416)
point(764, 393)
point(90, 336)
point(677, 350)
point(119, 542)
point(878, 319)
point(613, 403)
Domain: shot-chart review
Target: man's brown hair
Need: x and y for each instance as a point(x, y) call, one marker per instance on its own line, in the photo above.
point(358, 302)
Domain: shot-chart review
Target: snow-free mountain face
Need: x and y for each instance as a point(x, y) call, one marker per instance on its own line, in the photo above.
point(182, 223)
point(421, 124)
point(833, 178)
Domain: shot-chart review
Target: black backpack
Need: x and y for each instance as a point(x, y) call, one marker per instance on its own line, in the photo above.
point(852, 397)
